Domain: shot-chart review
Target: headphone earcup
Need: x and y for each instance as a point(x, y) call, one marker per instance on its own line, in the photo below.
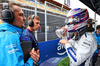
point(7, 15)
point(31, 23)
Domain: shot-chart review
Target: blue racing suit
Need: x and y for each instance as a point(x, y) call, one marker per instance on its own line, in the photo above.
point(11, 53)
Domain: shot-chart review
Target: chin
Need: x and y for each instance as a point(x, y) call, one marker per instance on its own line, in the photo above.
point(23, 25)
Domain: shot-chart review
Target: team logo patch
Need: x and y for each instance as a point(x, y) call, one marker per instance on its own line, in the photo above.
point(61, 49)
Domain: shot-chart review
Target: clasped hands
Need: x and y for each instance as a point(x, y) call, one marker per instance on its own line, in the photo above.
point(34, 55)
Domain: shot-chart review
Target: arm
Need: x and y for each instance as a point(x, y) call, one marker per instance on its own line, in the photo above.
point(14, 51)
point(61, 32)
point(84, 51)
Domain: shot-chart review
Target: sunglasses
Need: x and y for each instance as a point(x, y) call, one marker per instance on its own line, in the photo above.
point(37, 22)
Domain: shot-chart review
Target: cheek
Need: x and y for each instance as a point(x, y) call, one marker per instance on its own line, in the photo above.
point(18, 19)
point(35, 25)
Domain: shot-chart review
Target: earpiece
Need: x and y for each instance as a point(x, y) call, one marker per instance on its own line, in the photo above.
point(31, 23)
point(6, 14)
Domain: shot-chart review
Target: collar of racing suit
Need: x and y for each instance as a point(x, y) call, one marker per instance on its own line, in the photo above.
point(81, 32)
point(8, 27)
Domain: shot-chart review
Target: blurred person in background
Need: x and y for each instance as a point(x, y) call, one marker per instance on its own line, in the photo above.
point(97, 36)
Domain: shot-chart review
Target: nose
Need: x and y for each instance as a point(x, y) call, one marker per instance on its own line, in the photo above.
point(39, 24)
point(24, 18)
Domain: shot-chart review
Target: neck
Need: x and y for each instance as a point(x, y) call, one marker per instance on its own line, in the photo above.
point(30, 28)
point(83, 31)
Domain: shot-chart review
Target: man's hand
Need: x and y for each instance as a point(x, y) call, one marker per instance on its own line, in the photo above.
point(64, 34)
point(63, 41)
point(34, 55)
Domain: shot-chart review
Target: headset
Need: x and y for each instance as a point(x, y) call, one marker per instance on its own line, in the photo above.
point(6, 14)
point(31, 22)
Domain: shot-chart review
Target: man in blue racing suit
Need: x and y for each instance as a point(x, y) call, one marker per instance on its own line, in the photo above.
point(11, 53)
point(83, 43)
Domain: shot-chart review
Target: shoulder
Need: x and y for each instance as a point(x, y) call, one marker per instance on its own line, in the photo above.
point(8, 35)
point(89, 37)
point(88, 40)
point(94, 33)
point(27, 31)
